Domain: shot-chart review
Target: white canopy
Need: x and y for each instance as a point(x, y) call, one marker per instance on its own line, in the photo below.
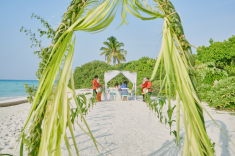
point(111, 74)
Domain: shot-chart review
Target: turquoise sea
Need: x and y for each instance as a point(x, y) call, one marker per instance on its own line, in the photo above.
point(10, 89)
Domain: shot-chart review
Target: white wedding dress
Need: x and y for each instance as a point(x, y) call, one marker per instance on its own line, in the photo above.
point(118, 94)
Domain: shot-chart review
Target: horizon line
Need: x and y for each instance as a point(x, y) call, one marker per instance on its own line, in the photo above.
point(18, 80)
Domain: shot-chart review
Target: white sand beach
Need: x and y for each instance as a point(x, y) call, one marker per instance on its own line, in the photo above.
point(125, 128)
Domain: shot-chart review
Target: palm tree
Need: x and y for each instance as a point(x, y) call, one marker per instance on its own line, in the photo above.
point(113, 50)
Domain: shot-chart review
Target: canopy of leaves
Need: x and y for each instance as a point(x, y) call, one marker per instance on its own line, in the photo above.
point(222, 53)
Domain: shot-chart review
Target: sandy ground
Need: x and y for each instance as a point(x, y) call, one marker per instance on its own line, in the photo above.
point(126, 128)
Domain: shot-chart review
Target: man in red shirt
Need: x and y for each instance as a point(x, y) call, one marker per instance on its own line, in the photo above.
point(95, 85)
point(144, 85)
point(149, 86)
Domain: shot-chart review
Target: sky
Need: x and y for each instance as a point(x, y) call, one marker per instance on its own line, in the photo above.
point(201, 21)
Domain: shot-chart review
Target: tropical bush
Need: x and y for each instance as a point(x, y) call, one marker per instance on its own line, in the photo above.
point(203, 90)
point(144, 68)
point(222, 53)
point(222, 96)
point(207, 73)
point(84, 75)
point(156, 87)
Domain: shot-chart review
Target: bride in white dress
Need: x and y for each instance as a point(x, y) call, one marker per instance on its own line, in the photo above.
point(117, 92)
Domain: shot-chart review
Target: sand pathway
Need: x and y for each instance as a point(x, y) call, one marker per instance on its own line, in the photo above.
point(123, 128)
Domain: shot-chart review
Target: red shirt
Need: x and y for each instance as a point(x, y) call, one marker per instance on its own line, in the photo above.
point(95, 84)
point(144, 86)
point(149, 85)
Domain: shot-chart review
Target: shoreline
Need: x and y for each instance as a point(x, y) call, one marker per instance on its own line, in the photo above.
point(13, 101)
point(6, 104)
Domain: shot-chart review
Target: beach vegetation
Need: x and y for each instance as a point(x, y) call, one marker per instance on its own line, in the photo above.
point(43, 52)
point(221, 69)
point(221, 53)
point(207, 73)
point(84, 75)
point(31, 92)
point(176, 138)
point(113, 51)
point(222, 96)
point(169, 113)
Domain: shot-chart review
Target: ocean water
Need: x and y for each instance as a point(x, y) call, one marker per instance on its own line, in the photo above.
point(10, 89)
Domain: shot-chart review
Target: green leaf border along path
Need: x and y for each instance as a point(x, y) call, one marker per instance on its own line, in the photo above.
point(50, 112)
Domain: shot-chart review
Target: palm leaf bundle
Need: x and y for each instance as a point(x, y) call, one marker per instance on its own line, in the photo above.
point(50, 111)
point(176, 55)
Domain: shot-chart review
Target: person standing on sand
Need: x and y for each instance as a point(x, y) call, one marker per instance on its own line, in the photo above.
point(149, 87)
point(119, 87)
point(95, 86)
point(98, 90)
point(143, 86)
point(124, 91)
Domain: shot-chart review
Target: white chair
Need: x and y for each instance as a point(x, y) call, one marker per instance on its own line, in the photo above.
point(125, 95)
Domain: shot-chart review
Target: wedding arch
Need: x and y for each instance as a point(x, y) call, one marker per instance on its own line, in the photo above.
point(111, 74)
point(50, 113)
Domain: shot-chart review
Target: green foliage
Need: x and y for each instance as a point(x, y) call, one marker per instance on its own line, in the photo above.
point(203, 90)
point(83, 104)
point(207, 73)
point(113, 50)
point(144, 67)
point(157, 107)
point(84, 75)
point(31, 91)
point(222, 96)
point(156, 86)
point(43, 53)
point(177, 141)
point(222, 53)
point(216, 62)
point(212, 146)
point(169, 113)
